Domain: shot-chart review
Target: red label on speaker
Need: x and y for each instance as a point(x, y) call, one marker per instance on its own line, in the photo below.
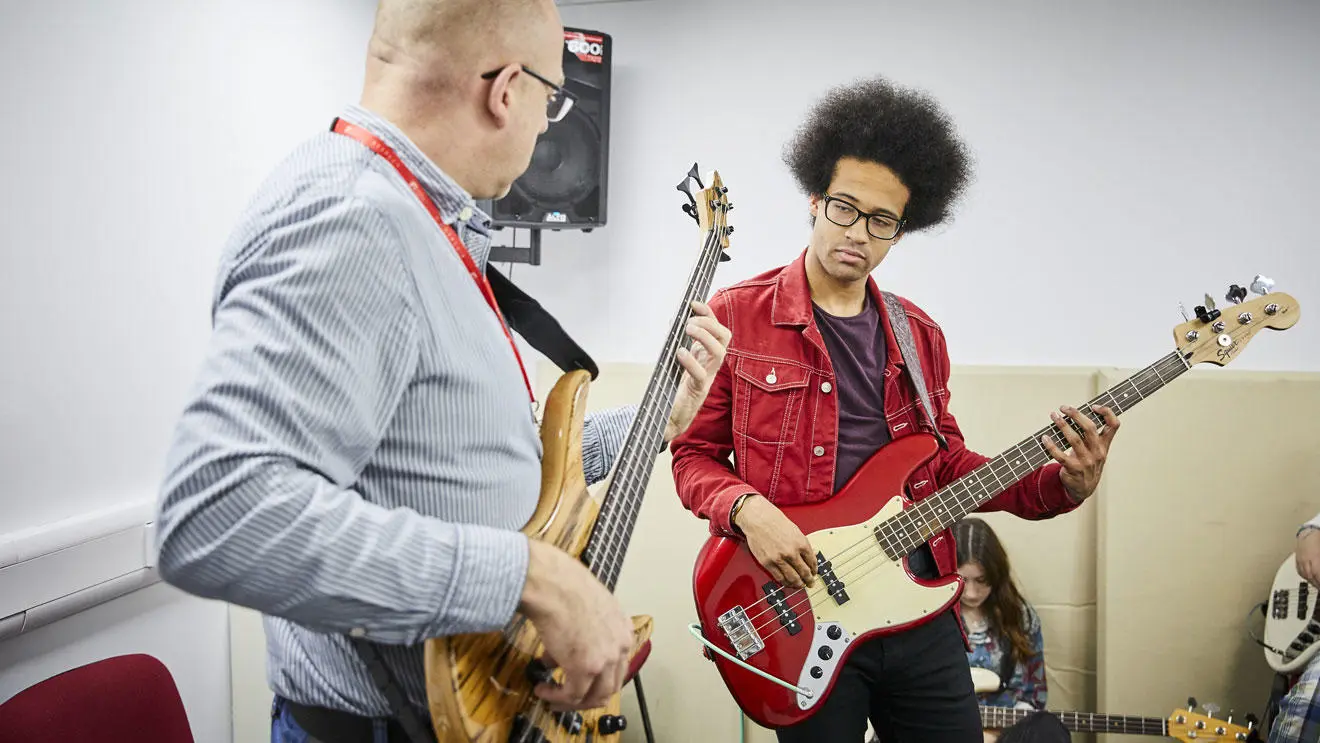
point(585, 47)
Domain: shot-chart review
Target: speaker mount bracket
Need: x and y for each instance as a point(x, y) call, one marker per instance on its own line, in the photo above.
point(513, 254)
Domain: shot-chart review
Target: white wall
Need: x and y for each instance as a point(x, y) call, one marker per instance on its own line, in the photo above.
point(135, 131)
point(1130, 156)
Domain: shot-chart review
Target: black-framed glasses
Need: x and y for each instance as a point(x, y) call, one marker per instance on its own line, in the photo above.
point(880, 225)
point(561, 99)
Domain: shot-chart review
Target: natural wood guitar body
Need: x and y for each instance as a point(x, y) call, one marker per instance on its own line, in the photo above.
point(477, 685)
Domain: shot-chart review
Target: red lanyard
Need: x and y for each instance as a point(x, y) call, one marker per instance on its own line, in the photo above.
point(380, 148)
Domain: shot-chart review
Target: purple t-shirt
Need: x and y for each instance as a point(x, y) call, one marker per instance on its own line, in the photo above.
point(857, 347)
point(857, 352)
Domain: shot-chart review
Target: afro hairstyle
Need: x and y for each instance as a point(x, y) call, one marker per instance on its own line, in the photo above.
point(903, 129)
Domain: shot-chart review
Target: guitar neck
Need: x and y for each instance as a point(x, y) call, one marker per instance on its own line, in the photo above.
point(632, 469)
point(1078, 722)
point(911, 528)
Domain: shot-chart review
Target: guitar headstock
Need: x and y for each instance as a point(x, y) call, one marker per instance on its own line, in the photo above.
point(709, 205)
point(1217, 336)
point(1189, 726)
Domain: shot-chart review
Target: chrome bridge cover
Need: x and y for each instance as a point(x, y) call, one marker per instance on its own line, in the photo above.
point(742, 635)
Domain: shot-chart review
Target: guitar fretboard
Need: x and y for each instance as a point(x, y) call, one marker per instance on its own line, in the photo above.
point(609, 539)
point(1079, 722)
point(911, 528)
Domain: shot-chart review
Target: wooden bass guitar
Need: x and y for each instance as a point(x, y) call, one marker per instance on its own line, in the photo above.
point(480, 687)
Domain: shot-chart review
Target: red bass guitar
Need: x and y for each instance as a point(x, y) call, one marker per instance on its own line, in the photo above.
point(779, 650)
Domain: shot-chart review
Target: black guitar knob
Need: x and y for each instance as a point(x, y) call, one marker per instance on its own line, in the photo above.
point(834, 632)
point(825, 652)
point(524, 731)
point(817, 672)
point(538, 673)
point(611, 724)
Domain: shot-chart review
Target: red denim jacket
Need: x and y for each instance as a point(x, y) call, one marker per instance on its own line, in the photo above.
point(771, 407)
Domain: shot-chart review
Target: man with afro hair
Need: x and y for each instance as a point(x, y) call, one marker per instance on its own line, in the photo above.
point(815, 382)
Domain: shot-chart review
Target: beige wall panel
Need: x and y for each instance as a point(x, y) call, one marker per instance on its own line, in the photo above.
point(1206, 486)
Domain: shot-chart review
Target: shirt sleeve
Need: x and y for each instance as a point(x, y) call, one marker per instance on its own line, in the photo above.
point(315, 341)
point(603, 433)
point(1312, 524)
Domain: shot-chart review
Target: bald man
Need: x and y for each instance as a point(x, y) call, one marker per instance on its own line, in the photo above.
point(359, 451)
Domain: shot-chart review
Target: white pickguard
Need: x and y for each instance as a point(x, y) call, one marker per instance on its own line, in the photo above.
point(880, 595)
point(1298, 636)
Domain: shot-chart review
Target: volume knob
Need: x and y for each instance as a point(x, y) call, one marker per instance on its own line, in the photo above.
point(611, 724)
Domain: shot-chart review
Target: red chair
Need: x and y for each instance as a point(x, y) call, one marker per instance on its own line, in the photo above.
point(124, 699)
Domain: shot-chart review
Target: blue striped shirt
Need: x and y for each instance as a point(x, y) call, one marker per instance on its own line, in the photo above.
point(358, 453)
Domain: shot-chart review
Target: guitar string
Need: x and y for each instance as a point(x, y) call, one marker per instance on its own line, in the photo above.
point(1155, 368)
point(854, 574)
point(1002, 717)
point(650, 419)
point(885, 533)
point(950, 490)
point(653, 417)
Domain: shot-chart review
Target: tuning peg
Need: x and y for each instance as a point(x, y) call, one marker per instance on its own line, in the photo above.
point(1183, 309)
point(1251, 721)
point(1210, 709)
point(1191, 703)
point(1205, 315)
point(1235, 294)
point(1209, 302)
point(685, 186)
point(1262, 285)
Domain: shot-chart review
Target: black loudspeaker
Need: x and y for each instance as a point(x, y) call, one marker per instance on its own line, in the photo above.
point(564, 188)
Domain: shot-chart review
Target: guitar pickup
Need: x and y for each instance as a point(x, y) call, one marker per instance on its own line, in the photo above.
point(742, 635)
point(1303, 592)
point(1279, 607)
point(833, 586)
point(774, 595)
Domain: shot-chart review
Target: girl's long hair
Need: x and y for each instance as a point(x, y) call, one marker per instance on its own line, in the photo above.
point(1004, 607)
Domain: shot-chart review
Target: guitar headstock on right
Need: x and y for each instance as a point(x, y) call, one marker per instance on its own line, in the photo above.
point(1217, 336)
point(1190, 726)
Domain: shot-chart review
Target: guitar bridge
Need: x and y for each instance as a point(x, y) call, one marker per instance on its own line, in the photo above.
point(742, 635)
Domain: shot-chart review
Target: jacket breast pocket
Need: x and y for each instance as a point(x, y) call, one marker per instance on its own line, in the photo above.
point(768, 399)
point(913, 421)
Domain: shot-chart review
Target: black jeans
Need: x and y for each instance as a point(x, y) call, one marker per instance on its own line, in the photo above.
point(914, 686)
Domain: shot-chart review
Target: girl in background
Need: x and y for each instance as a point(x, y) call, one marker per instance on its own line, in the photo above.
point(1003, 629)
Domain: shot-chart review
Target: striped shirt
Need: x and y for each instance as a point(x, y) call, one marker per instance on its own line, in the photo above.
point(358, 452)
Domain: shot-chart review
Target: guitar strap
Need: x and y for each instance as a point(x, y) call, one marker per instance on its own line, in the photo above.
point(538, 327)
point(898, 322)
point(529, 319)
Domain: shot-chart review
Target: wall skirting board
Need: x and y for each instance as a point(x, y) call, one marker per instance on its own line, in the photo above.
point(52, 571)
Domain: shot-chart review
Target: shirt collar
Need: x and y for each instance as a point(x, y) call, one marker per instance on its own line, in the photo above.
point(449, 197)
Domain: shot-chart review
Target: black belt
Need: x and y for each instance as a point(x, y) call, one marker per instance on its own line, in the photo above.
point(333, 726)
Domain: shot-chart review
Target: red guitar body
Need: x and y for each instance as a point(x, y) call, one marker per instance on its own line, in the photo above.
point(876, 594)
